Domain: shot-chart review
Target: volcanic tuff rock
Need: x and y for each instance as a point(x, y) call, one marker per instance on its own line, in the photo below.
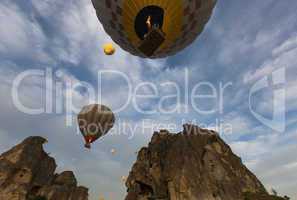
point(195, 164)
point(27, 172)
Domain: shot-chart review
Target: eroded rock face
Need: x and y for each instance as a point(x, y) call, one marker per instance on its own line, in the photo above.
point(193, 165)
point(27, 172)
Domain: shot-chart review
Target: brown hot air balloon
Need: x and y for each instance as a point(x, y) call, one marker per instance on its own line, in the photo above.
point(94, 122)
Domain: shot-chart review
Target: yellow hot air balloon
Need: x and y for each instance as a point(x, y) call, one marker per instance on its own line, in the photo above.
point(154, 28)
point(94, 122)
point(109, 49)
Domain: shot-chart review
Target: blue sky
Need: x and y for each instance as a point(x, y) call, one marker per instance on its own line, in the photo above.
point(244, 42)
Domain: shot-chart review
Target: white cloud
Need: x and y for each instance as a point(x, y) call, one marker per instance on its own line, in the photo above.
point(19, 35)
point(272, 159)
point(282, 59)
point(288, 45)
point(239, 123)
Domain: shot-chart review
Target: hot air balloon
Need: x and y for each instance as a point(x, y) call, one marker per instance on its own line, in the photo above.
point(108, 49)
point(113, 151)
point(154, 28)
point(124, 178)
point(94, 122)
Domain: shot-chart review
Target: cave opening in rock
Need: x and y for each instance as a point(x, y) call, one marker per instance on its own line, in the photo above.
point(145, 189)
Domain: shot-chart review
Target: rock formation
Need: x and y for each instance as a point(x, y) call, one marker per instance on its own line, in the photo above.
point(28, 173)
point(195, 164)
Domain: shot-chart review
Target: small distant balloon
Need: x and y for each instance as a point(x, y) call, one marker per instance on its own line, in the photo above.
point(109, 49)
point(124, 178)
point(113, 151)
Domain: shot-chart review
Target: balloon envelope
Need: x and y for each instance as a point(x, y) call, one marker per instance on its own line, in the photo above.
point(129, 23)
point(94, 122)
point(109, 49)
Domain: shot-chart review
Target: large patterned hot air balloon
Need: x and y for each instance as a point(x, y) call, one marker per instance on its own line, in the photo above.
point(154, 28)
point(94, 122)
